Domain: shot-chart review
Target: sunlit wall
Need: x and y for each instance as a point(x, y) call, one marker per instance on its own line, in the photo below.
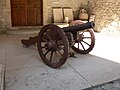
point(107, 14)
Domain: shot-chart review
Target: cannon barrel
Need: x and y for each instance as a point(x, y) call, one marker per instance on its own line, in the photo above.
point(79, 27)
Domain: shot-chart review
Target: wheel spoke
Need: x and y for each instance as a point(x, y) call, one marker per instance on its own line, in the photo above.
point(51, 56)
point(43, 46)
point(78, 45)
point(49, 38)
point(82, 33)
point(44, 39)
point(86, 43)
point(82, 46)
point(55, 53)
point(86, 37)
point(46, 53)
point(58, 43)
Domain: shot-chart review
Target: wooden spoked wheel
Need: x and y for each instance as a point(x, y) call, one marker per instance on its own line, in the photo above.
point(84, 41)
point(53, 46)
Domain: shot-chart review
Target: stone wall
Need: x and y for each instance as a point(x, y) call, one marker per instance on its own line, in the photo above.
point(107, 14)
point(47, 9)
point(4, 16)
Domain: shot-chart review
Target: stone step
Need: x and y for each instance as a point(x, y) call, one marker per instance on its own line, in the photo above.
point(23, 31)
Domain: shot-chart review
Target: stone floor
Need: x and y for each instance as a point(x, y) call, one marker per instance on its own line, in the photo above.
point(114, 38)
point(113, 85)
point(2, 77)
point(24, 69)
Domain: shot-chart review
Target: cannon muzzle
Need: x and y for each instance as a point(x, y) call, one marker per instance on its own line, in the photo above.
point(79, 27)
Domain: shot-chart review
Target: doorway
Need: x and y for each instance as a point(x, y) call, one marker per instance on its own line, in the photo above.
point(26, 12)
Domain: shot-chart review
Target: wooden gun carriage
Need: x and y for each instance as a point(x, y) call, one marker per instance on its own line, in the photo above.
point(54, 43)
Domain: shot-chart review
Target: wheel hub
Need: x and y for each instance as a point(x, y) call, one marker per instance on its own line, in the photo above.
point(51, 46)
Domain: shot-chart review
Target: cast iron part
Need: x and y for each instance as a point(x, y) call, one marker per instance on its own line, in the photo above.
point(79, 27)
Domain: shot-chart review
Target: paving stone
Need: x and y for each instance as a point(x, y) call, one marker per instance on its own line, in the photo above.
point(45, 78)
point(113, 85)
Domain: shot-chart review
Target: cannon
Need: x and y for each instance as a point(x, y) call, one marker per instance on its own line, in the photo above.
point(54, 43)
